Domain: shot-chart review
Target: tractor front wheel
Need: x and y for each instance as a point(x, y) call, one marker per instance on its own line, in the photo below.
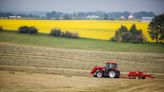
point(112, 74)
point(99, 74)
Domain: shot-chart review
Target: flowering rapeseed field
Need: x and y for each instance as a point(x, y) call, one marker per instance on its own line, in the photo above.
point(96, 29)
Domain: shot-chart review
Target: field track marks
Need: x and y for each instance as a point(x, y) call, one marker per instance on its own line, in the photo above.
point(22, 55)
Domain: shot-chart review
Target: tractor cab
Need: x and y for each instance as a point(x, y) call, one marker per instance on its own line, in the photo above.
point(111, 65)
point(111, 69)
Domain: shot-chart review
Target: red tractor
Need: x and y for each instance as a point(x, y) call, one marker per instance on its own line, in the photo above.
point(110, 70)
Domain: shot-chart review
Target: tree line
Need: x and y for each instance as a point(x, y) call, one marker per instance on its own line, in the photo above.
point(77, 15)
point(155, 30)
point(133, 35)
point(100, 14)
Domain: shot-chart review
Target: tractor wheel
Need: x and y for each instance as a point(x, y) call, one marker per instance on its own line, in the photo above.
point(112, 74)
point(143, 77)
point(99, 74)
point(118, 74)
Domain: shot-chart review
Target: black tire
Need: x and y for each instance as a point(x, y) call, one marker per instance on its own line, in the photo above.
point(118, 74)
point(143, 77)
point(99, 74)
point(112, 74)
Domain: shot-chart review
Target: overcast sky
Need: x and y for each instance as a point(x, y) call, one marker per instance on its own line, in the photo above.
point(156, 6)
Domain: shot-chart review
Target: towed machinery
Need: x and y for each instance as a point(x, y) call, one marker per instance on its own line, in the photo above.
point(139, 75)
point(111, 71)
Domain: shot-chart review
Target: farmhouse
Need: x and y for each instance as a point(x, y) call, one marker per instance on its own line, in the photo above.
point(14, 17)
point(131, 17)
point(93, 17)
point(146, 19)
point(122, 18)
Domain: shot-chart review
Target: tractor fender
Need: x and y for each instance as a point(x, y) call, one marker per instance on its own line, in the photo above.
point(97, 68)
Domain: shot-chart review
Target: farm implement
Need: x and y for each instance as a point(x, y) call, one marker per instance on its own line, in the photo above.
point(111, 70)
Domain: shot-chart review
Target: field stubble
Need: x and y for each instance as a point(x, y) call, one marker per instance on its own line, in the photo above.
point(51, 69)
point(36, 82)
point(21, 55)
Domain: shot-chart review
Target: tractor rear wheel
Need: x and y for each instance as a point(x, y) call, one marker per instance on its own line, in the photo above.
point(99, 74)
point(112, 74)
point(143, 77)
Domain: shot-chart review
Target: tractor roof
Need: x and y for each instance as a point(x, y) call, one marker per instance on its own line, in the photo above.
point(111, 62)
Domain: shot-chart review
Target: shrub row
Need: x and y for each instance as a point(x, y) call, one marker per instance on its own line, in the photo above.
point(1, 28)
point(58, 33)
point(54, 32)
point(28, 30)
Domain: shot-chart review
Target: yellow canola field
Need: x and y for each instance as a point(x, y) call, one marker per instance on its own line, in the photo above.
point(96, 29)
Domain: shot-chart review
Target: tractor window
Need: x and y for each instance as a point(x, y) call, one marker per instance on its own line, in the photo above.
point(109, 66)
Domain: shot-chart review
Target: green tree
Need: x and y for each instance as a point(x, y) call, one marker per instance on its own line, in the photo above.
point(23, 29)
point(67, 17)
point(1, 28)
point(126, 37)
point(156, 28)
point(123, 29)
point(32, 30)
point(27, 30)
point(119, 33)
point(56, 32)
point(105, 16)
point(132, 35)
point(133, 29)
